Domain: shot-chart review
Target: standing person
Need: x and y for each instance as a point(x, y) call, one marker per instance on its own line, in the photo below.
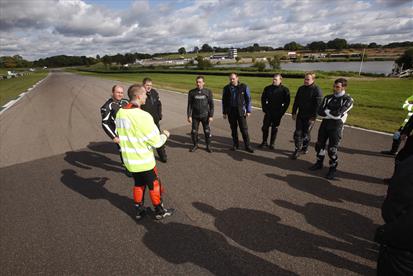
point(333, 109)
point(108, 112)
point(153, 106)
point(200, 109)
point(274, 101)
point(236, 104)
point(138, 134)
point(408, 106)
point(395, 236)
point(407, 149)
point(307, 101)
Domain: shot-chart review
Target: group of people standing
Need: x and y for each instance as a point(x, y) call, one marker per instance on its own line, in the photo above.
point(133, 125)
point(275, 100)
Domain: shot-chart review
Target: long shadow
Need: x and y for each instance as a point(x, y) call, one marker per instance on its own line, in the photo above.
point(221, 144)
point(263, 232)
point(89, 159)
point(179, 243)
point(341, 223)
point(94, 188)
point(103, 147)
point(322, 188)
point(176, 242)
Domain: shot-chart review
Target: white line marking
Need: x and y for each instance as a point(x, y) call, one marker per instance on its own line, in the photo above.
point(259, 108)
point(12, 102)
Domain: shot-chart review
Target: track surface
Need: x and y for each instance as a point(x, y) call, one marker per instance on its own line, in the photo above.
point(66, 207)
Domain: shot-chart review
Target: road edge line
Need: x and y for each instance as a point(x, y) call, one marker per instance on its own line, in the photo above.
point(21, 95)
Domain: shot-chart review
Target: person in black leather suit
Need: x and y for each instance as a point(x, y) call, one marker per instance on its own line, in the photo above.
point(333, 109)
point(200, 110)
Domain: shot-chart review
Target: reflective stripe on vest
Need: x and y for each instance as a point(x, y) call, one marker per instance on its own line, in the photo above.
point(138, 134)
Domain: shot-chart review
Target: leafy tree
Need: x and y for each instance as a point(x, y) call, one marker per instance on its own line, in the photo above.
point(130, 58)
point(107, 60)
point(337, 43)
point(406, 59)
point(203, 63)
point(373, 45)
point(317, 46)
point(9, 62)
point(260, 65)
point(182, 51)
point(293, 46)
point(256, 47)
point(196, 50)
point(206, 48)
point(358, 46)
point(275, 62)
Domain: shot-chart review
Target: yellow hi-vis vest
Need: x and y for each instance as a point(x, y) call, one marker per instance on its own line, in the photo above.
point(138, 135)
point(408, 105)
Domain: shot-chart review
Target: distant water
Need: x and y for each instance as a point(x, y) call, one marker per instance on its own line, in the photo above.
point(377, 67)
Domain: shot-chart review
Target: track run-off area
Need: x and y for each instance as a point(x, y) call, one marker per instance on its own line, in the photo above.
point(66, 206)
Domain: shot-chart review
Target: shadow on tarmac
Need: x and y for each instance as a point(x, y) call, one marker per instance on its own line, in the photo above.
point(176, 242)
point(88, 159)
point(222, 144)
point(180, 243)
point(340, 223)
point(93, 188)
point(264, 232)
point(322, 188)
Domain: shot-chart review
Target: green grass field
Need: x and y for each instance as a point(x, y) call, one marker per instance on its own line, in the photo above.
point(378, 101)
point(11, 88)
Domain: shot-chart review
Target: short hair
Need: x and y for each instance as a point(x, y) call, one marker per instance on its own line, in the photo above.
point(343, 81)
point(145, 80)
point(277, 75)
point(200, 77)
point(233, 73)
point(115, 86)
point(312, 74)
point(135, 90)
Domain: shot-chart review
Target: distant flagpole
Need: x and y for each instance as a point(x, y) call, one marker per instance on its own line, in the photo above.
point(361, 63)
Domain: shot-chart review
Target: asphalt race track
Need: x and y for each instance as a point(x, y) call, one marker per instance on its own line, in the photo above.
point(66, 207)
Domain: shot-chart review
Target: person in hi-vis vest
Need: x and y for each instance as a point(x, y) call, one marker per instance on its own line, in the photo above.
point(138, 135)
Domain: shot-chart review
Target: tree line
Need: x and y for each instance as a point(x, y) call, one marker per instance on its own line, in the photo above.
point(335, 44)
point(17, 61)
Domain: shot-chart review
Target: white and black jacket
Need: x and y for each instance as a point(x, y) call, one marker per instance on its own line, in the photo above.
point(108, 112)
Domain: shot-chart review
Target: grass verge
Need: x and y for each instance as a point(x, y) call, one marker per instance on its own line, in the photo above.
point(378, 101)
point(11, 88)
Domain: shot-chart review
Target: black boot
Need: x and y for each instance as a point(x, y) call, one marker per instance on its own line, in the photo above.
point(317, 166)
point(394, 147)
point(249, 149)
point(162, 154)
point(304, 150)
point(273, 137)
point(263, 144)
point(295, 154)
point(140, 211)
point(264, 139)
point(161, 212)
point(195, 142)
point(331, 173)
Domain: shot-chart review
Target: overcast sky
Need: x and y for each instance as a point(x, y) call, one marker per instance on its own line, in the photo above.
point(37, 28)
